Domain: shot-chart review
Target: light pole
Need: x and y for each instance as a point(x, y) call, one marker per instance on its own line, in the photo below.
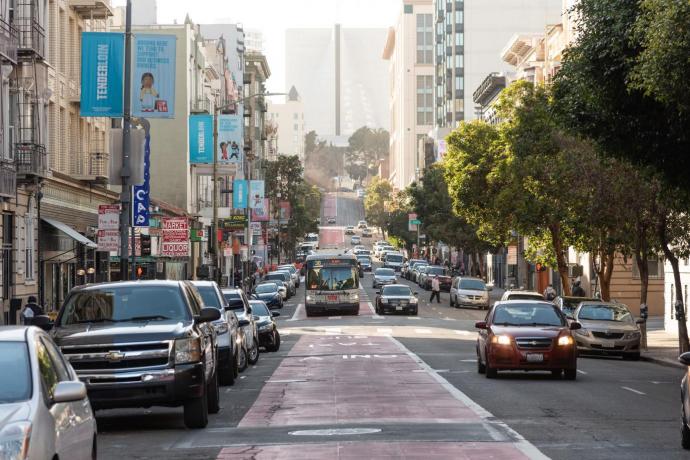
point(214, 225)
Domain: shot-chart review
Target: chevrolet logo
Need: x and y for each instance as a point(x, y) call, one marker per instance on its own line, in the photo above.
point(114, 356)
point(533, 343)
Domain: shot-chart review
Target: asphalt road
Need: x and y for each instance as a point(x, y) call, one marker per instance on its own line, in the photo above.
point(615, 409)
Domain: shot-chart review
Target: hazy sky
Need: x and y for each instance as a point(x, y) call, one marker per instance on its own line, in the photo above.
point(272, 17)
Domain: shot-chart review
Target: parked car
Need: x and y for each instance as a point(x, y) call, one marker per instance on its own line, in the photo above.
point(293, 271)
point(362, 224)
point(416, 269)
point(44, 409)
point(469, 292)
point(407, 267)
point(227, 330)
point(433, 271)
point(526, 335)
point(396, 298)
point(355, 239)
point(142, 344)
point(361, 193)
point(569, 304)
point(350, 230)
point(266, 326)
point(684, 403)
point(270, 294)
point(282, 276)
point(239, 303)
point(420, 272)
point(383, 276)
point(519, 294)
point(608, 328)
point(361, 252)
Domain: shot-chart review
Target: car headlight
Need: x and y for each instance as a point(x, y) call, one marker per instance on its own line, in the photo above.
point(583, 332)
point(354, 296)
point(310, 298)
point(187, 350)
point(501, 339)
point(413, 300)
point(632, 335)
point(565, 341)
point(221, 327)
point(14, 441)
point(266, 327)
point(463, 297)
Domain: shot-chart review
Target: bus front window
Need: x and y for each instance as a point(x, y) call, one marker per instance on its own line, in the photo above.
point(332, 278)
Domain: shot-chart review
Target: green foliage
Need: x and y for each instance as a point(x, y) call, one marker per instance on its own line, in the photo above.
point(366, 147)
point(379, 196)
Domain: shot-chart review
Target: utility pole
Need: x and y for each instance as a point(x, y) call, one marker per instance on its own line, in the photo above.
point(214, 225)
point(125, 193)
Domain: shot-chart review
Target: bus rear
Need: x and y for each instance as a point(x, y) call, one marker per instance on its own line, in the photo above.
point(332, 285)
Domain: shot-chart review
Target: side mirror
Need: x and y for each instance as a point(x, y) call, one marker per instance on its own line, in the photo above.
point(574, 326)
point(415, 293)
point(243, 323)
point(489, 288)
point(249, 310)
point(640, 321)
point(254, 297)
point(275, 314)
point(69, 392)
point(480, 325)
point(685, 358)
point(207, 314)
point(256, 318)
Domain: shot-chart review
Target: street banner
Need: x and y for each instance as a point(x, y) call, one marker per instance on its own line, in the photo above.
point(262, 214)
point(240, 194)
point(109, 217)
point(201, 139)
point(175, 237)
point(230, 129)
point(285, 211)
point(102, 74)
point(256, 193)
point(153, 76)
point(142, 193)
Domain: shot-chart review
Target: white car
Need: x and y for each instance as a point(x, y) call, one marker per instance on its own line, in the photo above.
point(362, 224)
point(355, 240)
point(518, 294)
point(44, 409)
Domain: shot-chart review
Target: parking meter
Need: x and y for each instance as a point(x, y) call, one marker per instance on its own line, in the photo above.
point(644, 311)
point(680, 311)
point(644, 314)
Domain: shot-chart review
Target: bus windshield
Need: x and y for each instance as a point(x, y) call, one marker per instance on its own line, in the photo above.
point(332, 278)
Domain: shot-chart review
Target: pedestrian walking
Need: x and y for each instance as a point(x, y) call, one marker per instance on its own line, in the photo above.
point(577, 290)
point(435, 290)
point(549, 293)
point(31, 310)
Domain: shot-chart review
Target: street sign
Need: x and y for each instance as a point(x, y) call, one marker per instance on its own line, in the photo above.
point(236, 222)
point(198, 235)
point(416, 222)
point(109, 217)
point(109, 240)
point(175, 237)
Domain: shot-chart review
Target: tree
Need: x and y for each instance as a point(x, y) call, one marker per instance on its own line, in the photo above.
point(377, 201)
point(310, 142)
point(366, 147)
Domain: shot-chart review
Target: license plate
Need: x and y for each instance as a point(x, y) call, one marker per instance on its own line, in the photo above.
point(332, 298)
point(608, 345)
point(398, 307)
point(535, 357)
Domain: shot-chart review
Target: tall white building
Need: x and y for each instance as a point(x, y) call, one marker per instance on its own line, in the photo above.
point(287, 119)
point(254, 40)
point(409, 52)
point(144, 12)
point(342, 79)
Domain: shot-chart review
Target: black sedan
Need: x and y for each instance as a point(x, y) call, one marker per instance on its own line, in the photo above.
point(270, 294)
point(397, 298)
point(269, 338)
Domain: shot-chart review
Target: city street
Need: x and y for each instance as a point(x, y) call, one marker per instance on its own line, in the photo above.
point(372, 386)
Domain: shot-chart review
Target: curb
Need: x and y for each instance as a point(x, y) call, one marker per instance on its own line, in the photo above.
point(662, 361)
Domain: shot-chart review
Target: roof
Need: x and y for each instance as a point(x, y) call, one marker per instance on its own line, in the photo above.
point(203, 283)
point(13, 333)
point(522, 301)
point(72, 233)
point(138, 283)
point(323, 256)
point(293, 95)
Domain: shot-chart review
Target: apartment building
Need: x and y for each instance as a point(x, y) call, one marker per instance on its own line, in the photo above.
point(410, 52)
point(286, 120)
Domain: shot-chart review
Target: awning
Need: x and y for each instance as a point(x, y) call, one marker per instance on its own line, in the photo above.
point(72, 233)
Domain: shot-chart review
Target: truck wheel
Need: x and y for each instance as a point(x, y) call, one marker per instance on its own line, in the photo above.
point(253, 356)
point(242, 359)
point(227, 374)
point(684, 432)
point(570, 374)
point(212, 393)
point(196, 413)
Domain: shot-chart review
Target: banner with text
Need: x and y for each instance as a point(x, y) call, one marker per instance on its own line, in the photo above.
point(175, 237)
point(142, 193)
point(102, 74)
point(256, 194)
point(239, 194)
point(262, 214)
point(153, 76)
point(230, 128)
point(201, 139)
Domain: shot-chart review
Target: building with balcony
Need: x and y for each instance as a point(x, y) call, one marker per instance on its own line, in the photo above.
point(410, 53)
point(287, 123)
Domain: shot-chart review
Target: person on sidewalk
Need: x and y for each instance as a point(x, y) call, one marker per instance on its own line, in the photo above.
point(549, 293)
point(435, 290)
point(577, 290)
point(31, 310)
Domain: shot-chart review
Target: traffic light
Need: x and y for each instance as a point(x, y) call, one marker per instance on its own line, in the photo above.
point(540, 267)
point(145, 245)
point(140, 272)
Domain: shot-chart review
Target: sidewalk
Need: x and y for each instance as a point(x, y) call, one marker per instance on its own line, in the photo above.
point(662, 347)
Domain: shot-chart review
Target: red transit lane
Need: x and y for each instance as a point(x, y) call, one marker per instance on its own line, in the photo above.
point(331, 237)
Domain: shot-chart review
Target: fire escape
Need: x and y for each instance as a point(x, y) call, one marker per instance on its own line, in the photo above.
point(29, 148)
point(9, 40)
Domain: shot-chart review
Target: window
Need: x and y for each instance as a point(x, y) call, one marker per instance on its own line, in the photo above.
point(459, 83)
point(458, 17)
point(459, 39)
point(425, 99)
point(425, 40)
point(459, 61)
point(29, 242)
point(7, 258)
point(655, 266)
point(408, 9)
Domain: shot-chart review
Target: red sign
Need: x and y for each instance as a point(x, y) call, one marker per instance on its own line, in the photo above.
point(175, 237)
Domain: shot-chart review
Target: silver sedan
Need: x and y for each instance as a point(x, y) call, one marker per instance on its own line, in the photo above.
point(383, 276)
point(44, 410)
point(607, 328)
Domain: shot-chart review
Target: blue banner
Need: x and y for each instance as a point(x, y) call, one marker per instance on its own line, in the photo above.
point(102, 74)
point(256, 191)
point(142, 193)
point(153, 76)
point(200, 139)
point(240, 192)
point(230, 129)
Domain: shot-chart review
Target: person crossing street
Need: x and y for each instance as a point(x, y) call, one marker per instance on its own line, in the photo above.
point(435, 290)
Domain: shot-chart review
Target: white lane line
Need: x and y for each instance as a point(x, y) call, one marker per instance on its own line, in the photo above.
point(468, 360)
point(422, 331)
point(579, 371)
point(299, 313)
point(384, 330)
point(527, 448)
point(335, 317)
point(332, 330)
point(634, 390)
point(373, 311)
point(463, 332)
point(413, 317)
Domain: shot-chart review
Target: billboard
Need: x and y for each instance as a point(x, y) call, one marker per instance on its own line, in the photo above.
point(230, 128)
point(256, 194)
point(153, 76)
point(200, 139)
point(102, 74)
point(262, 214)
point(239, 194)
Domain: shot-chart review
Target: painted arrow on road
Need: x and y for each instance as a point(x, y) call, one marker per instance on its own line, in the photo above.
point(311, 358)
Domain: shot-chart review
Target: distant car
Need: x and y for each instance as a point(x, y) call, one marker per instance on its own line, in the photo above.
point(366, 233)
point(608, 328)
point(362, 224)
point(350, 230)
point(383, 276)
point(432, 271)
point(361, 252)
point(469, 292)
point(396, 298)
point(685, 402)
point(517, 294)
point(526, 335)
point(355, 239)
point(393, 260)
point(331, 220)
point(270, 294)
point(239, 303)
point(293, 271)
point(269, 337)
point(414, 271)
point(282, 287)
point(45, 410)
point(280, 275)
point(360, 193)
point(407, 266)
point(365, 262)
point(569, 304)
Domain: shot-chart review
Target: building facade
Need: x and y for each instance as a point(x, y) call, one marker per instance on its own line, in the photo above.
point(410, 54)
point(287, 121)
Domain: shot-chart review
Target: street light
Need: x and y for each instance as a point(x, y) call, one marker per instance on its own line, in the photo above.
point(217, 109)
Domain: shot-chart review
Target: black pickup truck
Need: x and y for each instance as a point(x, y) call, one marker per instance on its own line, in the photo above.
point(142, 344)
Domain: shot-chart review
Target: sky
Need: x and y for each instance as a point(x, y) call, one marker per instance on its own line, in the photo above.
point(272, 17)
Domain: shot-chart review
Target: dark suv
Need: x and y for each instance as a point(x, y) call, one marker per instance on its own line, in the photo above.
point(142, 344)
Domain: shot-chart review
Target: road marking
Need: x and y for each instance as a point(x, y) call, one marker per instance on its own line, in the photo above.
point(298, 312)
point(384, 330)
point(286, 381)
point(348, 344)
point(634, 390)
point(527, 448)
point(463, 332)
point(332, 330)
point(581, 372)
point(413, 317)
point(335, 432)
point(468, 360)
point(373, 311)
point(422, 331)
point(335, 317)
point(311, 358)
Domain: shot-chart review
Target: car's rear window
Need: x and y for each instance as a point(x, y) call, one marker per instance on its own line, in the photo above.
point(15, 386)
point(525, 297)
point(259, 308)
